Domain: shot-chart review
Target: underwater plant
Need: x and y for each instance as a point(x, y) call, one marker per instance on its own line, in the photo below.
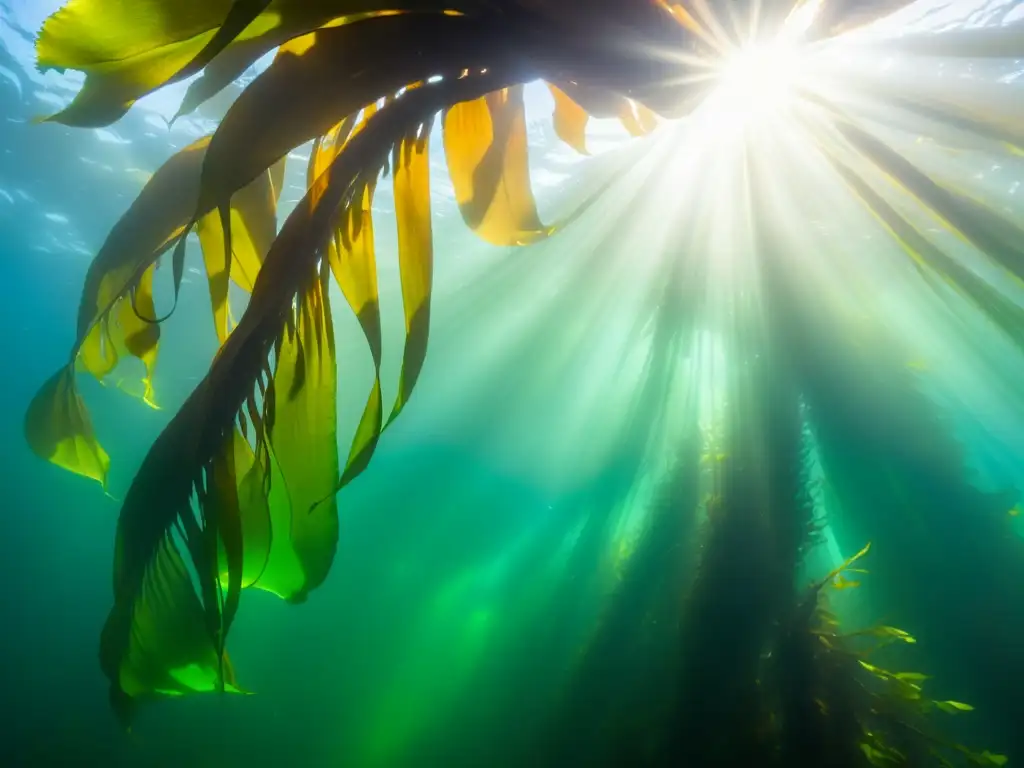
point(252, 455)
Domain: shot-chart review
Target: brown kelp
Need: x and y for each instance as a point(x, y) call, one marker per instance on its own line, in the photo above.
point(238, 490)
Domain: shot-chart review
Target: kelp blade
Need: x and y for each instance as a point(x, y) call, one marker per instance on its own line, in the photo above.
point(303, 447)
point(486, 149)
point(128, 50)
point(58, 429)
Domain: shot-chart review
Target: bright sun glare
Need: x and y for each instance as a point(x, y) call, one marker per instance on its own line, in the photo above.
point(759, 77)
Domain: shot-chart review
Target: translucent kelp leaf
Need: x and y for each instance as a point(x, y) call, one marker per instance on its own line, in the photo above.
point(253, 221)
point(137, 331)
point(241, 488)
point(158, 645)
point(932, 261)
point(304, 453)
point(116, 314)
point(990, 232)
point(570, 120)
point(354, 264)
point(127, 50)
point(57, 425)
point(486, 150)
point(952, 707)
point(309, 89)
point(58, 429)
point(411, 169)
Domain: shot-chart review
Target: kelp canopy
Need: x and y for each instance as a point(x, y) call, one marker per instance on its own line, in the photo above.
point(239, 489)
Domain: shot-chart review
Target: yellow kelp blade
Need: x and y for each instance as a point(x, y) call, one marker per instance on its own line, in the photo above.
point(303, 446)
point(134, 318)
point(253, 222)
point(570, 120)
point(125, 49)
point(58, 429)
point(129, 49)
point(636, 118)
point(143, 233)
point(57, 424)
point(411, 171)
point(304, 93)
point(485, 146)
point(354, 265)
point(233, 62)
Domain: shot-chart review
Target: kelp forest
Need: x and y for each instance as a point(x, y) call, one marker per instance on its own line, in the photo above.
point(590, 382)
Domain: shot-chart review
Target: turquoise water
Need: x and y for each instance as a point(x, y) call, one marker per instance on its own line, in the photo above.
point(513, 572)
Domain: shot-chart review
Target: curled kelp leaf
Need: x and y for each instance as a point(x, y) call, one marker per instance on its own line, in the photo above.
point(116, 314)
point(57, 424)
point(486, 150)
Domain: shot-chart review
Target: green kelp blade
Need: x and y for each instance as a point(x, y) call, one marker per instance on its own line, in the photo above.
point(485, 147)
point(166, 631)
point(240, 484)
point(58, 429)
point(1007, 315)
point(303, 446)
point(999, 238)
point(411, 172)
point(158, 645)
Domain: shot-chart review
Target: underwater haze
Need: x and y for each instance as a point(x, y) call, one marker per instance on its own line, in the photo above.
point(528, 572)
